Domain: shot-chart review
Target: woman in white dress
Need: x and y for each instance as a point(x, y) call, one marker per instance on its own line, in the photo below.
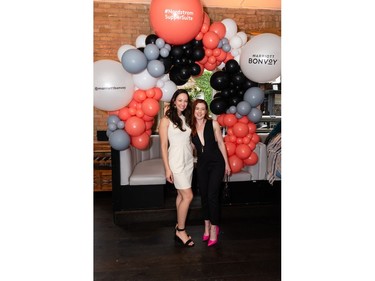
point(177, 154)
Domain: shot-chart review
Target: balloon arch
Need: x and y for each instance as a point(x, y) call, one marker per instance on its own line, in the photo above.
point(185, 44)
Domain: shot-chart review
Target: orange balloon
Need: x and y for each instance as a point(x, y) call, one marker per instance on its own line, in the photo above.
point(246, 140)
point(212, 60)
point(150, 93)
point(148, 118)
point(209, 66)
point(150, 106)
point(124, 114)
point(132, 111)
point(139, 95)
point(158, 93)
point(252, 127)
point(251, 160)
point(220, 120)
point(208, 52)
point(235, 163)
point(233, 139)
point(139, 113)
point(149, 124)
point(243, 151)
point(244, 120)
point(140, 142)
point(222, 55)
point(204, 60)
point(240, 130)
point(227, 138)
point(231, 148)
point(252, 145)
point(133, 104)
point(176, 21)
point(216, 52)
point(230, 119)
point(135, 126)
point(255, 138)
point(210, 40)
point(219, 28)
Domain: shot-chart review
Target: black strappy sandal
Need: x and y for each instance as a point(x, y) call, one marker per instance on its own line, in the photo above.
point(178, 239)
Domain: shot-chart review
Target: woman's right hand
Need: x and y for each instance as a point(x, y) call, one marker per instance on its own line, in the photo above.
point(169, 176)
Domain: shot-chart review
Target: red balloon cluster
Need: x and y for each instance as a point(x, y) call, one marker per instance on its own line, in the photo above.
point(240, 141)
point(139, 115)
point(211, 34)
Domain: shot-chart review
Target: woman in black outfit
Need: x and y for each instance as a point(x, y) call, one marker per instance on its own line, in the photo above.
point(212, 165)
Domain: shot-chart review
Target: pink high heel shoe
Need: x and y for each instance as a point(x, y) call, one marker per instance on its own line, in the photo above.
point(213, 242)
point(205, 237)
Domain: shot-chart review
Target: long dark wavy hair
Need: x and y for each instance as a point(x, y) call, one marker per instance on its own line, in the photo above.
point(172, 114)
point(193, 119)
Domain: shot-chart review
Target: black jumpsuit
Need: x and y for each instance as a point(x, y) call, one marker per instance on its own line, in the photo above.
point(210, 173)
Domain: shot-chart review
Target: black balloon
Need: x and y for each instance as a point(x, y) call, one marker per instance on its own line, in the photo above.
point(151, 39)
point(195, 69)
point(232, 66)
point(248, 84)
point(238, 78)
point(218, 106)
point(177, 52)
point(184, 72)
point(225, 93)
point(167, 62)
point(198, 53)
point(235, 99)
point(219, 80)
point(175, 76)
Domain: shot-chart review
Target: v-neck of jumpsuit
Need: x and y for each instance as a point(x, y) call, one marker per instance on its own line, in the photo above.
point(209, 152)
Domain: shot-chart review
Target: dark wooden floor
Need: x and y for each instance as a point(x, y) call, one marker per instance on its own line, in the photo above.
point(249, 245)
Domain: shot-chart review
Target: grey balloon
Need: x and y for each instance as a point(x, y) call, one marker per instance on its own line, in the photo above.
point(164, 52)
point(243, 107)
point(254, 96)
point(112, 127)
point(255, 115)
point(156, 68)
point(160, 43)
point(232, 109)
point(134, 61)
point(151, 51)
point(226, 47)
point(238, 116)
point(120, 124)
point(108, 132)
point(119, 140)
point(113, 119)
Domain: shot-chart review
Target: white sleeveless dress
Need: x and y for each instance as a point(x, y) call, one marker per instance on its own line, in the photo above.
point(180, 155)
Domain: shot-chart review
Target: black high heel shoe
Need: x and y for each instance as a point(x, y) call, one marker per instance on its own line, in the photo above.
point(178, 239)
point(174, 232)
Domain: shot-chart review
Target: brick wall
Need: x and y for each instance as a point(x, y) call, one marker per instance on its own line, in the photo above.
point(117, 24)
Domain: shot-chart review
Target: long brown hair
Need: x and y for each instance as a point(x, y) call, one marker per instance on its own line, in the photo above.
point(172, 113)
point(193, 119)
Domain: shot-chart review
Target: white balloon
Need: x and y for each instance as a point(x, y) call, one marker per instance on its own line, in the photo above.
point(123, 49)
point(231, 28)
point(260, 58)
point(236, 42)
point(144, 80)
point(140, 42)
point(113, 85)
point(243, 36)
point(168, 90)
